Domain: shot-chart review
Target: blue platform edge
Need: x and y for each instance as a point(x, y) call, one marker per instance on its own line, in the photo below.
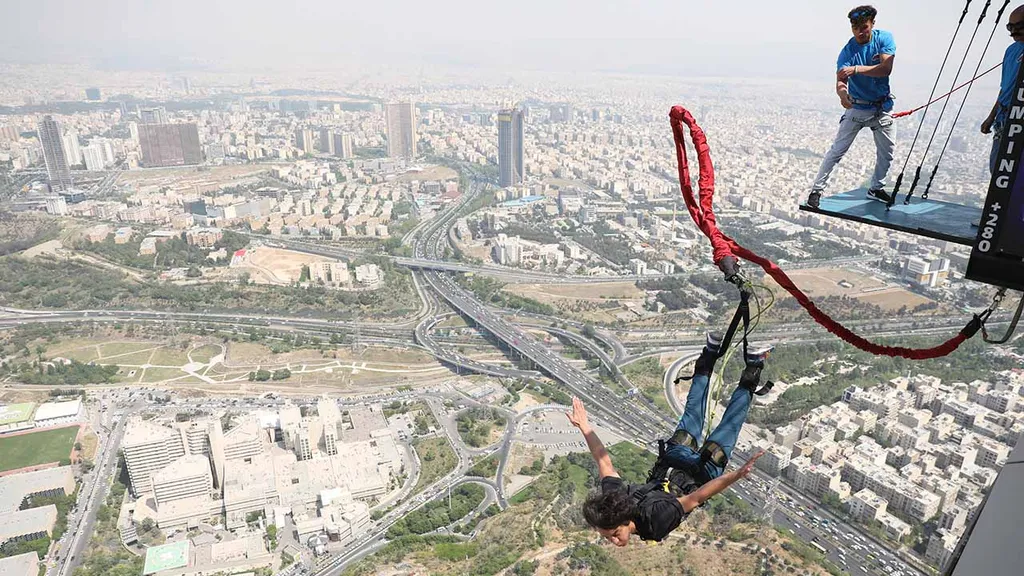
point(928, 218)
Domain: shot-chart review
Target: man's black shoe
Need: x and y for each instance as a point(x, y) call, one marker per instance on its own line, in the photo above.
point(880, 195)
point(814, 199)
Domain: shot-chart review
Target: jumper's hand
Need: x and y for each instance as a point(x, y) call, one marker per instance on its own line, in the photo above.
point(846, 71)
point(986, 126)
point(748, 466)
point(578, 416)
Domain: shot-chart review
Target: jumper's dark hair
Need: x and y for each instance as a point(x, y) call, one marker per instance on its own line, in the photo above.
point(609, 510)
point(862, 15)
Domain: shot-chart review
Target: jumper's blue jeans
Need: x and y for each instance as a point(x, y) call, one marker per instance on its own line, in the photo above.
point(693, 420)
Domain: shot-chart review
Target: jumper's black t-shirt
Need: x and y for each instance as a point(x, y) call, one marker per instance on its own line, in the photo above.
point(658, 512)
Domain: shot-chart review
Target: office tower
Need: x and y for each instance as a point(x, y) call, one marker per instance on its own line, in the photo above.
point(186, 85)
point(92, 93)
point(304, 140)
point(401, 125)
point(154, 116)
point(510, 147)
point(72, 150)
point(133, 131)
point(343, 146)
point(93, 157)
point(169, 145)
point(327, 141)
point(57, 169)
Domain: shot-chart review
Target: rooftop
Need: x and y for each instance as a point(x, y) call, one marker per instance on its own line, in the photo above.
point(140, 432)
point(184, 467)
point(15, 487)
point(166, 557)
point(51, 410)
point(30, 521)
point(26, 564)
point(14, 413)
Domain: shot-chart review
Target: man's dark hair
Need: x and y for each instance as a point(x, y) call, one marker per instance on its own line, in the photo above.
point(609, 510)
point(862, 15)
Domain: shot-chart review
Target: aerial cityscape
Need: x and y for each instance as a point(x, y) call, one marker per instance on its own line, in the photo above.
point(331, 319)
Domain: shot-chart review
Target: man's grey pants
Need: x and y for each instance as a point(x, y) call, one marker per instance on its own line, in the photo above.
point(850, 125)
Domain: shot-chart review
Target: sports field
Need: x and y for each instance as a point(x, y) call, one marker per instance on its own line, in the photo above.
point(36, 448)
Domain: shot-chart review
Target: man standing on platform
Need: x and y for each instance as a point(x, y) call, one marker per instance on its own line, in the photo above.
point(1011, 64)
point(862, 84)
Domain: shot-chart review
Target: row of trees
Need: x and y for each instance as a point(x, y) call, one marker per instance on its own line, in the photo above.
point(262, 375)
point(60, 374)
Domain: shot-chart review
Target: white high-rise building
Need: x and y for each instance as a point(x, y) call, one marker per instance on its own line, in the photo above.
point(343, 146)
point(94, 157)
point(400, 118)
point(304, 140)
point(186, 477)
point(72, 150)
point(147, 448)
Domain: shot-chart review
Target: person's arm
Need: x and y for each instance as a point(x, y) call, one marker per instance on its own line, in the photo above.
point(986, 126)
point(881, 70)
point(578, 417)
point(843, 91)
point(717, 486)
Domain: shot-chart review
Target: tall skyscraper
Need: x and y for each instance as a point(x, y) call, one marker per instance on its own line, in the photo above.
point(304, 140)
point(343, 146)
point(327, 141)
point(154, 116)
point(57, 169)
point(169, 145)
point(401, 124)
point(71, 149)
point(510, 146)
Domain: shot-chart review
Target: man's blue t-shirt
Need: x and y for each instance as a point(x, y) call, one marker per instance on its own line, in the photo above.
point(1011, 63)
point(865, 88)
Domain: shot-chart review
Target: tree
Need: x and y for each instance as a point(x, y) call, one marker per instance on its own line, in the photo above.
point(147, 525)
point(281, 374)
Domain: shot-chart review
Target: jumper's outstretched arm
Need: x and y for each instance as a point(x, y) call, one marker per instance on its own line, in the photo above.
point(718, 485)
point(578, 417)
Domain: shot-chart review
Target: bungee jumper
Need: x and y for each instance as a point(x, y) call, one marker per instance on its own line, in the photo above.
point(690, 468)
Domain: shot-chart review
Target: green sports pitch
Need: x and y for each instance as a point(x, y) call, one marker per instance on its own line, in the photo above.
point(36, 448)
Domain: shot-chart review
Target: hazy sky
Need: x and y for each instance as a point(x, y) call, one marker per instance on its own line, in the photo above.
point(786, 38)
